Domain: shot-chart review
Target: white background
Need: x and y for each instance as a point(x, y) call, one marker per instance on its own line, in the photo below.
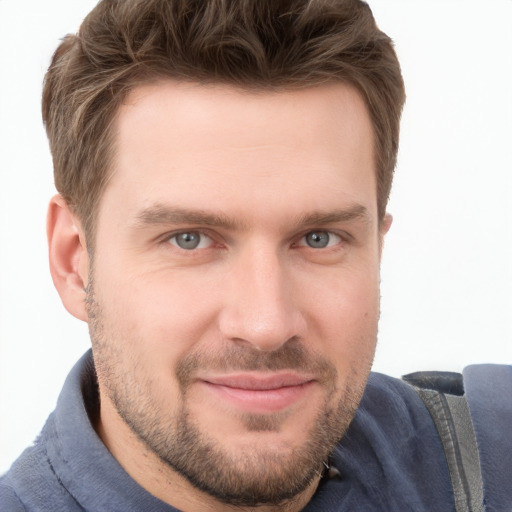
point(447, 269)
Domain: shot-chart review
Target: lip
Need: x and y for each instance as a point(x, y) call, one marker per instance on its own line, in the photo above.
point(260, 393)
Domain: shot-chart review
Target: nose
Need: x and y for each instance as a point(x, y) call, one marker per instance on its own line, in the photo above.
point(261, 303)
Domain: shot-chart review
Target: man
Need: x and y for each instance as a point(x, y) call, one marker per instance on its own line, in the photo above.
point(223, 170)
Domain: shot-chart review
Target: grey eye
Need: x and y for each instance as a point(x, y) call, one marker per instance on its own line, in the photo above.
point(188, 241)
point(318, 239)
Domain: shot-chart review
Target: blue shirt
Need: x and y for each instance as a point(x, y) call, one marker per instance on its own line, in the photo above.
point(390, 459)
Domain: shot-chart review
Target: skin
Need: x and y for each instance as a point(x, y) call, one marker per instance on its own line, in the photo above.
point(254, 336)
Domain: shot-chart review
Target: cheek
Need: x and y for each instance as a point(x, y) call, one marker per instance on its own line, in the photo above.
point(159, 315)
point(346, 319)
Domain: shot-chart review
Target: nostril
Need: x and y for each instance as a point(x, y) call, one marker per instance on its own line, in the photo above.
point(265, 331)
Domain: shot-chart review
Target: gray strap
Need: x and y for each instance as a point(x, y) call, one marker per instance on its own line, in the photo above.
point(453, 422)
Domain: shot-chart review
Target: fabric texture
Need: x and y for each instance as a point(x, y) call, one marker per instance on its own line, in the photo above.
point(443, 395)
point(391, 458)
point(489, 395)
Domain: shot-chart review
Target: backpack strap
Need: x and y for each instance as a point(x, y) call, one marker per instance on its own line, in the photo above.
point(443, 395)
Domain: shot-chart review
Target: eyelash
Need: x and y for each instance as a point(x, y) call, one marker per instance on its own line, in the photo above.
point(342, 238)
point(173, 236)
point(338, 239)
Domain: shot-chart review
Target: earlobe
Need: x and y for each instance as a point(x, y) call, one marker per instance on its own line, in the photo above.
point(69, 261)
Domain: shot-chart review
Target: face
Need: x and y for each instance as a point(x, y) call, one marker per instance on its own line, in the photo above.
point(233, 298)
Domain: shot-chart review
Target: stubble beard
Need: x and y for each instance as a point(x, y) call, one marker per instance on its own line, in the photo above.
point(251, 477)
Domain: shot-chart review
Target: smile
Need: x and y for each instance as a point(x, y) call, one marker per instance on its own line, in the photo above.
point(260, 394)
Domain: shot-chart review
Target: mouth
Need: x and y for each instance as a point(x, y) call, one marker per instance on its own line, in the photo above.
point(260, 393)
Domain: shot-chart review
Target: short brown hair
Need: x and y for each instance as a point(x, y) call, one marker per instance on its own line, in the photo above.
point(252, 44)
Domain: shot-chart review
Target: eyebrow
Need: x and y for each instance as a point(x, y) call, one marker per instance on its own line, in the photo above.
point(351, 213)
point(160, 214)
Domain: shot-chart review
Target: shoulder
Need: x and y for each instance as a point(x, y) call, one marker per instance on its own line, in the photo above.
point(488, 390)
point(392, 400)
point(9, 501)
point(27, 481)
point(31, 483)
point(392, 407)
point(391, 456)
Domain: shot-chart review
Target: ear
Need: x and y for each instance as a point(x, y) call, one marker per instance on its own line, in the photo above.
point(69, 261)
point(383, 229)
point(386, 224)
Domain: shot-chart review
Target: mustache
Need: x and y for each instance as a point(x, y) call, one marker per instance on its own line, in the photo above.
point(292, 355)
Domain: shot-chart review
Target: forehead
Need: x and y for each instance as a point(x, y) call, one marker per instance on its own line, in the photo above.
point(226, 147)
point(220, 114)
